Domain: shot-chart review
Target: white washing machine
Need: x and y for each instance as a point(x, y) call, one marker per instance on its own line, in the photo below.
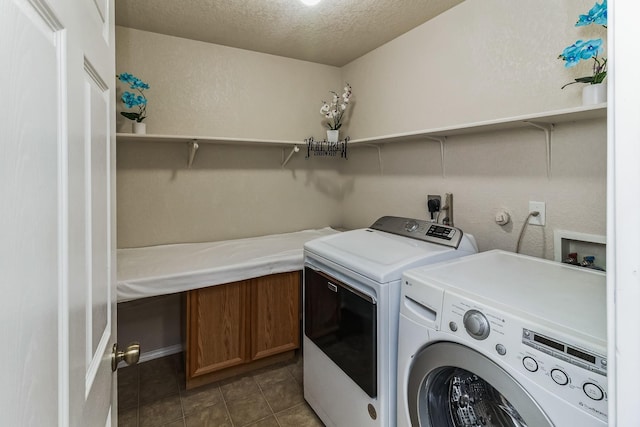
point(499, 339)
point(351, 303)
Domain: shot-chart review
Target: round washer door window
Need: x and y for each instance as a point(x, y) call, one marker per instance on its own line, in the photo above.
point(451, 385)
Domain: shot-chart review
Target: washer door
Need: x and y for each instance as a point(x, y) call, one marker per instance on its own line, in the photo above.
point(451, 385)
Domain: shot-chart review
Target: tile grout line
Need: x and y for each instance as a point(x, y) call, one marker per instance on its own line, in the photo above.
point(177, 373)
point(290, 370)
point(226, 407)
point(273, 414)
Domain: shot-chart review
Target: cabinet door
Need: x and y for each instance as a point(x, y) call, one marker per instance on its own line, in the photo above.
point(275, 314)
point(217, 328)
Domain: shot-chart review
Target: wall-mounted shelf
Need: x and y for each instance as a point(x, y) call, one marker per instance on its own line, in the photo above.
point(132, 137)
point(542, 121)
point(588, 112)
point(193, 142)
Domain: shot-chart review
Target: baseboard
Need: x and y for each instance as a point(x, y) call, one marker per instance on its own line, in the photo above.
point(145, 356)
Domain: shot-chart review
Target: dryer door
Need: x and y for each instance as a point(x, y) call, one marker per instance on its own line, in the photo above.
point(454, 386)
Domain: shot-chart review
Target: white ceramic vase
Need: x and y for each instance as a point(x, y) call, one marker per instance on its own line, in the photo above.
point(332, 135)
point(139, 127)
point(594, 94)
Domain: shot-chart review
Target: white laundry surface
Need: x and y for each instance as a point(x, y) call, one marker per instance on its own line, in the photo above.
point(166, 269)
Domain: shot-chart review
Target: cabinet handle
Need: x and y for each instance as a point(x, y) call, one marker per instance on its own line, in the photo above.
point(332, 287)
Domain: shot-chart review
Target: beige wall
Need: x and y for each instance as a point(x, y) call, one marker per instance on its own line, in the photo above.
point(157, 323)
point(232, 191)
point(482, 60)
point(486, 173)
point(205, 89)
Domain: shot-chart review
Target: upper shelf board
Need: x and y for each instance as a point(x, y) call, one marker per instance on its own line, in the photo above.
point(588, 112)
point(131, 137)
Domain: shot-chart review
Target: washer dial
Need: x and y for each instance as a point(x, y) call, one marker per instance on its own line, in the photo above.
point(476, 324)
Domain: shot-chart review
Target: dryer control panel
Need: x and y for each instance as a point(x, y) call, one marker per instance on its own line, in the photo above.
point(420, 229)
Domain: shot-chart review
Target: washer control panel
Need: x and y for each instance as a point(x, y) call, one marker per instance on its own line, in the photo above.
point(566, 352)
point(420, 229)
point(571, 371)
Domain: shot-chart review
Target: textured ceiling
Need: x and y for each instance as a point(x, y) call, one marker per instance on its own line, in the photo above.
point(333, 32)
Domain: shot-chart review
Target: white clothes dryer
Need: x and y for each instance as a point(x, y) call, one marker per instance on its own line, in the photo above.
point(500, 339)
point(351, 304)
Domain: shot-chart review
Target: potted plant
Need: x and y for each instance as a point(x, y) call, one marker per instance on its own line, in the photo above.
point(334, 112)
point(133, 100)
point(589, 50)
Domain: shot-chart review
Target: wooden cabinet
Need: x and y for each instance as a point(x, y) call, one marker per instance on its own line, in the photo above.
point(217, 327)
point(240, 326)
point(275, 314)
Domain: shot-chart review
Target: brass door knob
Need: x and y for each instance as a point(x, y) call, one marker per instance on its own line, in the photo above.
point(130, 355)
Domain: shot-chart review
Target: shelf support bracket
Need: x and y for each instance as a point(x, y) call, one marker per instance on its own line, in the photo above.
point(193, 147)
point(295, 149)
point(547, 128)
point(441, 140)
point(379, 155)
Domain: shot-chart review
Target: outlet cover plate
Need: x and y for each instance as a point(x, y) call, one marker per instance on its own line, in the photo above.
point(539, 207)
point(436, 197)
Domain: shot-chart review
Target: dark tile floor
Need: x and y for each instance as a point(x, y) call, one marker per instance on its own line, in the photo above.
point(153, 394)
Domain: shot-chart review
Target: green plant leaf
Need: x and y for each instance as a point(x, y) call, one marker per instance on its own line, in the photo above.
point(599, 77)
point(588, 79)
point(131, 116)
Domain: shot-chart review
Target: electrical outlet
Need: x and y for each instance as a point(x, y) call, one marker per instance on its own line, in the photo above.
point(538, 207)
point(433, 205)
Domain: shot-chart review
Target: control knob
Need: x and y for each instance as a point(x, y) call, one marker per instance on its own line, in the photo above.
point(411, 225)
point(476, 324)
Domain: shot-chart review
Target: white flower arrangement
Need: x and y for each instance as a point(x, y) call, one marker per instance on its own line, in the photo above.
point(335, 110)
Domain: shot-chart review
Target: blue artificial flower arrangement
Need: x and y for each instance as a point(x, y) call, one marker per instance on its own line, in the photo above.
point(132, 100)
point(590, 49)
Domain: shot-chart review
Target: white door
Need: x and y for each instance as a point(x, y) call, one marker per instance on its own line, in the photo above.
point(623, 227)
point(57, 221)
